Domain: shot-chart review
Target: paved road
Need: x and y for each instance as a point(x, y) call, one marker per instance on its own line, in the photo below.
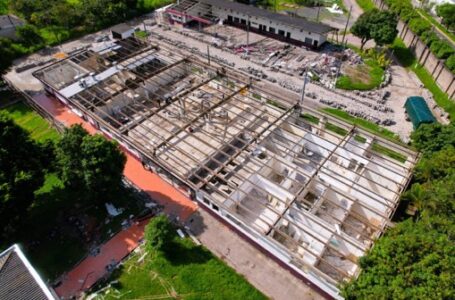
point(261, 271)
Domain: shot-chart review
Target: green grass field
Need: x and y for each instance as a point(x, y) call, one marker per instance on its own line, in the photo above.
point(362, 77)
point(28, 119)
point(407, 59)
point(388, 152)
point(366, 5)
point(186, 272)
point(369, 126)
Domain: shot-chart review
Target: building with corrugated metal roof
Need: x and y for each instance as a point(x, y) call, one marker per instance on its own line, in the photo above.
point(418, 111)
point(19, 280)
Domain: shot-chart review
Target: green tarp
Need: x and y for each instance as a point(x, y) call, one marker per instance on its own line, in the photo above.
point(418, 111)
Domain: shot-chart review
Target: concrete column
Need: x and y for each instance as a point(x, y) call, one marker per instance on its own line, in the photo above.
point(437, 65)
point(428, 54)
point(439, 73)
point(450, 85)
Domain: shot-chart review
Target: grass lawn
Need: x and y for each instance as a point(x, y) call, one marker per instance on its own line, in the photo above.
point(369, 126)
point(188, 272)
point(28, 119)
point(405, 57)
point(310, 118)
point(336, 129)
point(388, 152)
point(361, 77)
point(366, 5)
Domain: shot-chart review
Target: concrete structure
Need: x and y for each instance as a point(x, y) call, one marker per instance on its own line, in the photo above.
point(8, 25)
point(122, 31)
point(19, 280)
point(312, 191)
point(291, 29)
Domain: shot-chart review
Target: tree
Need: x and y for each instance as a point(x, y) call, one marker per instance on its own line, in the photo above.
point(414, 260)
point(159, 233)
point(90, 165)
point(377, 25)
point(7, 53)
point(430, 138)
point(102, 165)
point(21, 171)
point(69, 157)
point(30, 36)
point(447, 13)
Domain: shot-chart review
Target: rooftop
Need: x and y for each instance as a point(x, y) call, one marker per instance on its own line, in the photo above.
point(320, 196)
point(18, 279)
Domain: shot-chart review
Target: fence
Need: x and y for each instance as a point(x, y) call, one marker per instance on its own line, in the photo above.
point(443, 77)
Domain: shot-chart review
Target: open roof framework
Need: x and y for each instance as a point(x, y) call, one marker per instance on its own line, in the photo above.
point(318, 196)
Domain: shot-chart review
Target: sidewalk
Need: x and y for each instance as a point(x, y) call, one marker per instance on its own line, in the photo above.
point(93, 268)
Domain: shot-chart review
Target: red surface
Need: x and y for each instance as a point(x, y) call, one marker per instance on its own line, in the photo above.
point(93, 268)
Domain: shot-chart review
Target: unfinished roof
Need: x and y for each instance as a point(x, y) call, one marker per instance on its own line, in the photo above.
point(18, 279)
point(7, 21)
point(317, 189)
point(254, 11)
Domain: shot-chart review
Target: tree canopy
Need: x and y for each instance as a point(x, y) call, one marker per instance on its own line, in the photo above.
point(447, 12)
point(381, 26)
point(21, 171)
point(416, 259)
point(91, 165)
point(159, 233)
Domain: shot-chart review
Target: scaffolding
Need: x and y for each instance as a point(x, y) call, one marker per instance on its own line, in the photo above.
point(319, 195)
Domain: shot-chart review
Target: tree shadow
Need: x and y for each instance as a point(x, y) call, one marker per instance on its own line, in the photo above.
point(180, 253)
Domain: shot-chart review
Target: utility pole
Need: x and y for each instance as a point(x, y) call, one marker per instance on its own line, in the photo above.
point(302, 97)
point(319, 9)
point(247, 34)
point(208, 54)
point(346, 27)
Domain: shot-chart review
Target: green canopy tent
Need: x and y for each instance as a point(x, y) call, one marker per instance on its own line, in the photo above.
point(418, 111)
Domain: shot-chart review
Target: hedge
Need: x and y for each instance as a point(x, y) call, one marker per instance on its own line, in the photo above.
point(423, 28)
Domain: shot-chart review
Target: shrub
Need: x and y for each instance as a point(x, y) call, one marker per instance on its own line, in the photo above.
point(450, 63)
point(419, 26)
point(428, 37)
point(441, 49)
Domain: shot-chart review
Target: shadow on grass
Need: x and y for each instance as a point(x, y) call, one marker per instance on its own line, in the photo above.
point(180, 253)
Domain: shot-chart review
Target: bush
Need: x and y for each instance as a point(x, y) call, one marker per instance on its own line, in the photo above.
point(450, 63)
point(428, 37)
point(419, 26)
point(441, 49)
point(159, 233)
point(407, 13)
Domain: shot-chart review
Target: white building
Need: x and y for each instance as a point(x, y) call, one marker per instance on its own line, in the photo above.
point(291, 29)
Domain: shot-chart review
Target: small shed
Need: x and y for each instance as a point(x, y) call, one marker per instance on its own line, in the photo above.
point(418, 111)
point(122, 31)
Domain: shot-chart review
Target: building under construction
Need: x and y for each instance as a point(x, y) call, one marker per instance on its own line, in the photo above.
point(311, 190)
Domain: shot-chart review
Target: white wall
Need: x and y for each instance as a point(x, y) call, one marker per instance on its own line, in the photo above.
point(296, 33)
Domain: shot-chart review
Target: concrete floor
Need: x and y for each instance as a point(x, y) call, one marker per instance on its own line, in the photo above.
point(261, 271)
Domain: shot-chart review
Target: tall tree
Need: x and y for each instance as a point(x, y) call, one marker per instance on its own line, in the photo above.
point(159, 233)
point(102, 166)
point(447, 12)
point(381, 26)
point(69, 157)
point(21, 171)
point(415, 260)
point(90, 165)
